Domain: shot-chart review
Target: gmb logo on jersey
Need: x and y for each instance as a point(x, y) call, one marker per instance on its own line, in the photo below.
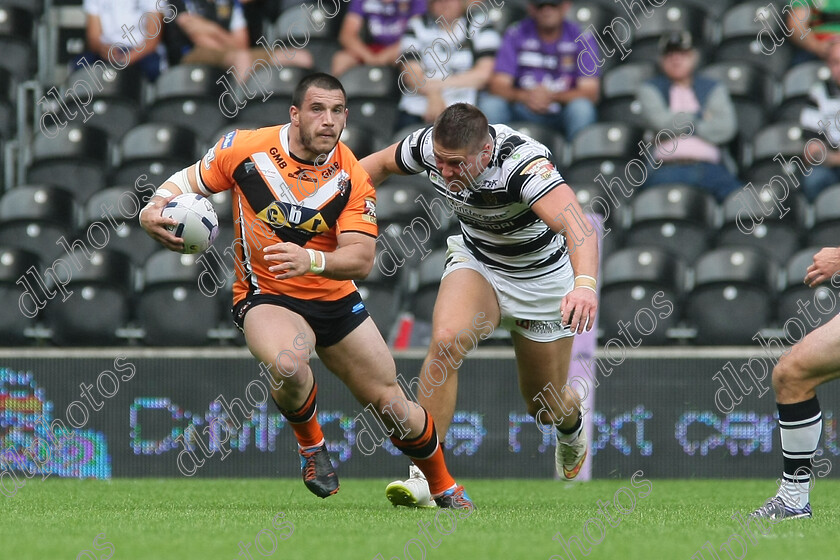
point(283, 214)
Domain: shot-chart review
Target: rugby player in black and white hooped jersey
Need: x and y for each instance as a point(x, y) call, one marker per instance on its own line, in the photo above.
point(527, 259)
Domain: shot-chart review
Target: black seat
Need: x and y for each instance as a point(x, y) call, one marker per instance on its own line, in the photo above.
point(156, 150)
point(114, 97)
point(99, 303)
point(15, 282)
point(35, 217)
point(372, 97)
point(281, 85)
point(383, 296)
point(188, 96)
point(603, 149)
point(551, 139)
point(796, 86)
point(171, 307)
point(360, 140)
point(826, 228)
point(759, 222)
point(813, 307)
point(630, 280)
point(129, 237)
point(740, 27)
point(762, 158)
point(16, 44)
point(618, 92)
point(751, 90)
point(428, 274)
point(671, 18)
point(731, 283)
point(677, 218)
point(77, 159)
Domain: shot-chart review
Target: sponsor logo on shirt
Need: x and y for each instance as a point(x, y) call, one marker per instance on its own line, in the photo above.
point(228, 140)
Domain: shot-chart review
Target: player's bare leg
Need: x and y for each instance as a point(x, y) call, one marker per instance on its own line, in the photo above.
point(810, 363)
point(463, 294)
point(543, 373)
point(362, 361)
point(281, 339)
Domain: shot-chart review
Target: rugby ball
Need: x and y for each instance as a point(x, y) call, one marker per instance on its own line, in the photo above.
point(198, 223)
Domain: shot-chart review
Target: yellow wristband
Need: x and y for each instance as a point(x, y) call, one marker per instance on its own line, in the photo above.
point(587, 288)
point(582, 280)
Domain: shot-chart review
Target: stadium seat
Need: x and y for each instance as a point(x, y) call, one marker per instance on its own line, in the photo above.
point(551, 139)
point(798, 300)
point(757, 223)
point(35, 217)
point(116, 97)
point(66, 39)
point(281, 85)
point(613, 238)
point(360, 140)
point(731, 283)
point(715, 8)
point(383, 297)
point(188, 96)
point(752, 91)
point(670, 18)
point(629, 281)
point(502, 19)
point(99, 303)
point(129, 237)
point(34, 7)
point(590, 16)
point(16, 41)
point(796, 89)
point(77, 159)
point(602, 148)
point(618, 92)
point(757, 160)
point(740, 27)
point(677, 218)
point(170, 307)
point(293, 27)
point(372, 97)
point(427, 280)
point(155, 150)
point(7, 106)
point(826, 228)
point(14, 264)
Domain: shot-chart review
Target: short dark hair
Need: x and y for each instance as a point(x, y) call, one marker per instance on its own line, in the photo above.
point(318, 80)
point(461, 126)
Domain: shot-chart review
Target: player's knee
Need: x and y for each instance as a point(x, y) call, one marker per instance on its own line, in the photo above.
point(788, 373)
point(450, 344)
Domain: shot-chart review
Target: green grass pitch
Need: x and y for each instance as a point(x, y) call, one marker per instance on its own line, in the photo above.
point(516, 519)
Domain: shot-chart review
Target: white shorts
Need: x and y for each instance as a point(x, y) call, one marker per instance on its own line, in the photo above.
point(528, 307)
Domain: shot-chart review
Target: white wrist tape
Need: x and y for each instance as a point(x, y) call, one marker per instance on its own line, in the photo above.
point(313, 266)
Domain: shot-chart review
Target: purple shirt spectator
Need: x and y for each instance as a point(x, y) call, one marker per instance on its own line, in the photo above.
point(385, 20)
point(532, 62)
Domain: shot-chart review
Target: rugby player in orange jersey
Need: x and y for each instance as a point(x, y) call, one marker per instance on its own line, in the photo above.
point(305, 216)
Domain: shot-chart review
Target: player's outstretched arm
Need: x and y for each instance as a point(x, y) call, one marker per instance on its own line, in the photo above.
point(560, 210)
point(382, 164)
point(150, 216)
point(826, 264)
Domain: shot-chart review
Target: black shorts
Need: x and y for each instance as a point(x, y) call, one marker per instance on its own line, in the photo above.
point(331, 321)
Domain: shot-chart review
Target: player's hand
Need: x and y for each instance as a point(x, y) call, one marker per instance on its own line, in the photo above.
point(287, 260)
point(826, 264)
point(578, 308)
point(155, 224)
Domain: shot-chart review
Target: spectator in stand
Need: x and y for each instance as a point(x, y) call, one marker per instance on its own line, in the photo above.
point(825, 100)
point(215, 32)
point(679, 99)
point(822, 18)
point(431, 85)
point(537, 77)
point(104, 28)
point(371, 31)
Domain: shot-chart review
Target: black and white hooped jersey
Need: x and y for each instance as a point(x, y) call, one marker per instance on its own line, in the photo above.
point(497, 222)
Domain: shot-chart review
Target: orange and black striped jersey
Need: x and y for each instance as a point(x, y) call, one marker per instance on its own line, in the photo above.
point(280, 198)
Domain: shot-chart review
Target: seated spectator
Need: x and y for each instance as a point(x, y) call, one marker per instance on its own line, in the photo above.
point(822, 18)
point(537, 77)
point(432, 84)
point(825, 99)
point(104, 29)
point(678, 100)
point(214, 32)
point(371, 31)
